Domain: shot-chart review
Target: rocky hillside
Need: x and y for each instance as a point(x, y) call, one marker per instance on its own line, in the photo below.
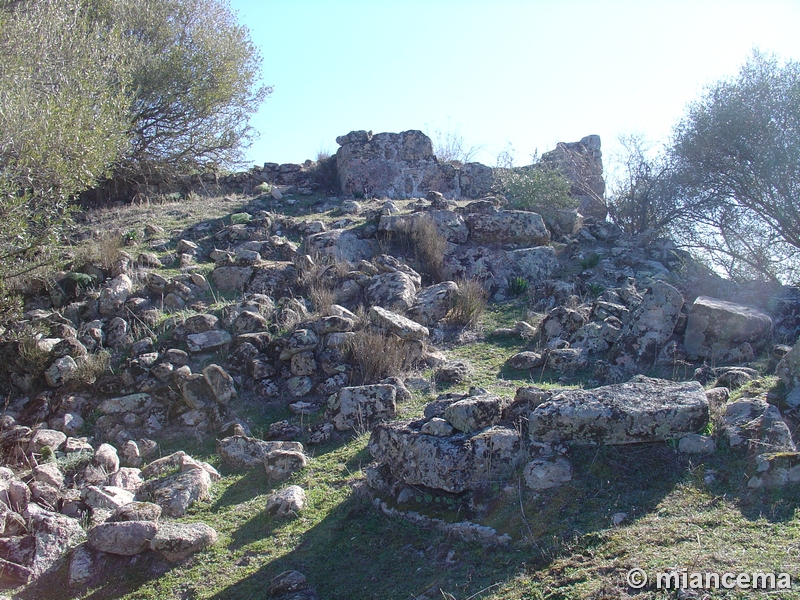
point(475, 350)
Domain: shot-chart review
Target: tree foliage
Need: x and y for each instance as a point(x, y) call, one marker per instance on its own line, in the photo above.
point(539, 187)
point(737, 155)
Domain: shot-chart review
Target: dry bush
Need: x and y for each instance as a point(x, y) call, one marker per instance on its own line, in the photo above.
point(103, 250)
point(421, 237)
point(317, 282)
point(92, 366)
point(377, 354)
point(469, 302)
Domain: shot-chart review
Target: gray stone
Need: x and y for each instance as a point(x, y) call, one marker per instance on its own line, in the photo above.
point(433, 303)
point(717, 326)
point(476, 412)
point(303, 364)
point(393, 291)
point(525, 361)
point(54, 535)
point(286, 502)
point(113, 296)
point(756, 426)
point(776, 469)
point(208, 340)
point(106, 497)
point(125, 538)
point(399, 325)
point(250, 322)
point(517, 227)
point(453, 464)
point(49, 473)
point(566, 360)
point(651, 324)
point(134, 403)
point(177, 541)
point(175, 494)
point(340, 244)
point(127, 478)
point(694, 443)
point(360, 407)
point(46, 437)
point(220, 383)
point(241, 452)
point(299, 387)
point(62, 370)
point(136, 511)
point(279, 464)
point(437, 427)
point(453, 371)
point(231, 279)
point(107, 458)
point(641, 410)
point(546, 473)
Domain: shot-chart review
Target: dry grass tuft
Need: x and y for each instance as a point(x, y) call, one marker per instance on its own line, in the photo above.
point(469, 302)
point(377, 355)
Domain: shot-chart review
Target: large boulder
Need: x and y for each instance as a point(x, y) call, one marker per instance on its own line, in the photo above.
point(453, 464)
point(433, 303)
point(754, 425)
point(476, 412)
point(360, 407)
point(393, 291)
point(641, 410)
point(340, 244)
point(788, 370)
point(582, 164)
point(517, 227)
point(399, 325)
point(242, 452)
point(114, 295)
point(178, 541)
point(125, 538)
point(176, 493)
point(651, 324)
point(715, 327)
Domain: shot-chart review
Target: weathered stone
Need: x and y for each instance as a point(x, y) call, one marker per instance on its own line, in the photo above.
point(582, 164)
point(753, 425)
point(546, 473)
point(517, 227)
point(525, 361)
point(279, 464)
point(113, 296)
point(175, 494)
point(776, 469)
point(207, 340)
point(361, 407)
point(240, 452)
point(302, 340)
point(393, 291)
point(286, 502)
point(299, 386)
point(220, 383)
point(134, 403)
point(437, 427)
point(107, 458)
point(694, 443)
point(717, 326)
point(641, 410)
point(177, 541)
point(340, 244)
point(433, 303)
point(476, 412)
point(54, 535)
point(249, 322)
point(127, 478)
point(454, 464)
point(62, 370)
point(49, 473)
point(303, 364)
point(788, 370)
point(397, 324)
point(566, 360)
point(453, 371)
point(136, 511)
point(231, 279)
point(125, 538)
point(289, 582)
point(651, 324)
point(46, 437)
point(107, 497)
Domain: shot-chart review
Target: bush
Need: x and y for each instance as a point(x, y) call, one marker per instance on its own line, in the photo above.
point(377, 355)
point(517, 286)
point(469, 302)
point(540, 188)
point(421, 237)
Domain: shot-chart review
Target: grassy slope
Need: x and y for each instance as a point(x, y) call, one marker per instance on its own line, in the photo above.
point(564, 543)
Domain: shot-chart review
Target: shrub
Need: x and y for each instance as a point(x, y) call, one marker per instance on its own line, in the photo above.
point(539, 188)
point(326, 174)
point(377, 354)
point(469, 302)
point(421, 237)
point(517, 286)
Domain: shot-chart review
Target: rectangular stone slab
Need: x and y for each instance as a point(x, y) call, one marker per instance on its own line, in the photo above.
point(641, 410)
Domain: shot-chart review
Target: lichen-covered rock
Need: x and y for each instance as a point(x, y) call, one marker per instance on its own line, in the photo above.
point(517, 227)
point(566, 360)
point(176, 493)
point(562, 322)
point(54, 534)
point(756, 426)
point(62, 370)
point(133, 403)
point(177, 541)
point(114, 295)
point(299, 386)
point(716, 326)
point(651, 324)
point(433, 303)
point(548, 472)
point(399, 325)
point(453, 371)
point(286, 502)
point(125, 538)
point(453, 464)
point(776, 469)
point(136, 511)
point(476, 412)
point(207, 340)
point(106, 497)
point(526, 360)
point(788, 370)
point(340, 244)
point(393, 291)
point(360, 407)
point(694, 443)
point(220, 382)
point(641, 410)
point(231, 279)
point(46, 437)
point(279, 464)
point(241, 452)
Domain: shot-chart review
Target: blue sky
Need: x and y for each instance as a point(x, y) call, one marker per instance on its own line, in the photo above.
point(529, 74)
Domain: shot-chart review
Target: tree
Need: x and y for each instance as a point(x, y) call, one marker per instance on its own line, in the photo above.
point(737, 153)
point(62, 123)
point(195, 81)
